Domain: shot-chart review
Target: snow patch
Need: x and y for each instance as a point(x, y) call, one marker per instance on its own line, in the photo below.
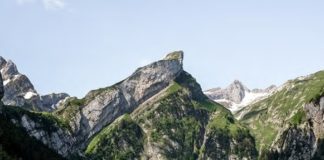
point(29, 95)
point(16, 76)
point(6, 82)
point(208, 92)
point(248, 99)
point(222, 100)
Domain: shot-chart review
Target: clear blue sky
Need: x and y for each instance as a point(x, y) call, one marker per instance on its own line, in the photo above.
point(78, 45)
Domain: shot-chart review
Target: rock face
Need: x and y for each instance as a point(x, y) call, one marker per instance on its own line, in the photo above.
point(55, 138)
point(289, 123)
point(179, 122)
point(303, 142)
point(102, 106)
point(236, 96)
point(19, 91)
point(157, 112)
point(294, 143)
point(41, 128)
point(53, 100)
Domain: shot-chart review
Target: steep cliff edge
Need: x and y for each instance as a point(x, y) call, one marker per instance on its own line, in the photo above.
point(100, 107)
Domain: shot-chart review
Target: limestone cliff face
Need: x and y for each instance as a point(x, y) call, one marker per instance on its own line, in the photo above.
point(53, 100)
point(42, 129)
point(179, 122)
point(304, 141)
point(126, 96)
point(164, 109)
point(101, 107)
point(40, 126)
point(294, 143)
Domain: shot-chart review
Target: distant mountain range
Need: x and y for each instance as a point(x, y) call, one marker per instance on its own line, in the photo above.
point(160, 112)
point(236, 95)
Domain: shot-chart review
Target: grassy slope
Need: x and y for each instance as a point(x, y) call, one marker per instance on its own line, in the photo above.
point(120, 140)
point(267, 116)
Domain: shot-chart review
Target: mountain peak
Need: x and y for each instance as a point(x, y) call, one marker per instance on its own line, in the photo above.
point(236, 91)
point(176, 55)
point(2, 62)
point(237, 81)
point(237, 95)
point(9, 69)
point(19, 91)
point(236, 84)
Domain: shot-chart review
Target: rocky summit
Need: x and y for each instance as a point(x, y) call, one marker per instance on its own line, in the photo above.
point(236, 96)
point(161, 112)
point(19, 91)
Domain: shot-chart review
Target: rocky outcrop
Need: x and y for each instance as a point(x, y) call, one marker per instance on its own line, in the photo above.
point(101, 107)
point(315, 115)
point(37, 129)
point(19, 91)
point(53, 100)
point(294, 143)
point(235, 92)
point(304, 141)
point(53, 136)
point(41, 126)
point(127, 95)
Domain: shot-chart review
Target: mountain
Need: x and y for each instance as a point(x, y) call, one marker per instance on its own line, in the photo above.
point(19, 91)
point(236, 95)
point(159, 112)
point(289, 123)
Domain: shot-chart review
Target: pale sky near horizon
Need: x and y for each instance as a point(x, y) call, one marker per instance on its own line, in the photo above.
point(74, 46)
